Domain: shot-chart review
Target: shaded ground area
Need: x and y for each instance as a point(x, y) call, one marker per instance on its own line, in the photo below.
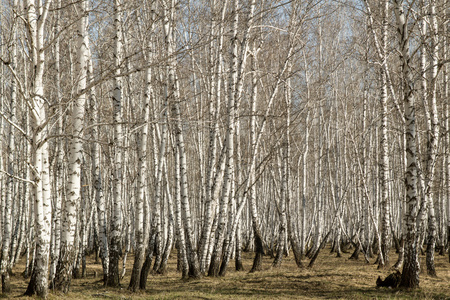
point(331, 278)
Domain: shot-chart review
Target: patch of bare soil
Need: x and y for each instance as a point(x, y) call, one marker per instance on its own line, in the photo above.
point(330, 278)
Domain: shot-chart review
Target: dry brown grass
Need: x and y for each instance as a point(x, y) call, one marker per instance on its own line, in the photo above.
point(331, 278)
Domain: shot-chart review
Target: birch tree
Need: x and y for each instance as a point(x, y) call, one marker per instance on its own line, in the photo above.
point(142, 183)
point(213, 177)
point(173, 90)
point(229, 147)
point(59, 182)
point(5, 266)
point(72, 201)
point(36, 17)
point(98, 192)
point(411, 267)
point(383, 259)
point(433, 129)
point(447, 129)
point(115, 243)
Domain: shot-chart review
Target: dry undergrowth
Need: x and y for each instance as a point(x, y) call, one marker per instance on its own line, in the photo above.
point(331, 278)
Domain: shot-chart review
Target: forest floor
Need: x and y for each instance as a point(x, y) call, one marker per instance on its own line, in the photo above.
point(330, 278)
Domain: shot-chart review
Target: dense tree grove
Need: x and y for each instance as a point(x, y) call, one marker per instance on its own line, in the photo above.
point(206, 128)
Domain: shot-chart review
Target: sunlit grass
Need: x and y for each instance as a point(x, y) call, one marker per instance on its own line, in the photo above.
point(331, 278)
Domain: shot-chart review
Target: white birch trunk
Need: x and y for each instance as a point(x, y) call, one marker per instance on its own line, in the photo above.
point(8, 199)
point(36, 18)
point(424, 200)
point(291, 233)
point(182, 253)
point(191, 252)
point(142, 188)
point(206, 237)
point(383, 259)
point(447, 129)
point(72, 201)
point(432, 143)
point(170, 233)
point(99, 196)
point(411, 267)
point(229, 148)
point(256, 225)
point(115, 250)
point(59, 176)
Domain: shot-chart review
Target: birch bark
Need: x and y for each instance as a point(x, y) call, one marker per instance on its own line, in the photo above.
point(97, 179)
point(36, 19)
point(229, 147)
point(447, 128)
point(206, 237)
point(59, 183)
point(383, 259)
point(139, 251)
point(411, 267)
point(162, 269)
point(5, 265)
point(432, 143)
point(115, 250)
point(174, 91)
point(72, 201)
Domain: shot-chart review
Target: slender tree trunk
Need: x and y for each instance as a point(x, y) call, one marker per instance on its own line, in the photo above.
point(213, 177)
point(447, 129)
point(259, 248)
point(229, 149)
point(238, 254)
point(383, 259)
point(99, 197)
point(194, 266)
point(8, 199)
point(291, 233)
point(170, 234)
point(40, 155)
point(139, 251)
point(182, 253)
point(432, 143)
point(59, 168)
point(283, 193)
point(115, 248)
point(411, 267)
point(68, 248)
point(173, 91)
point(145, 270)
